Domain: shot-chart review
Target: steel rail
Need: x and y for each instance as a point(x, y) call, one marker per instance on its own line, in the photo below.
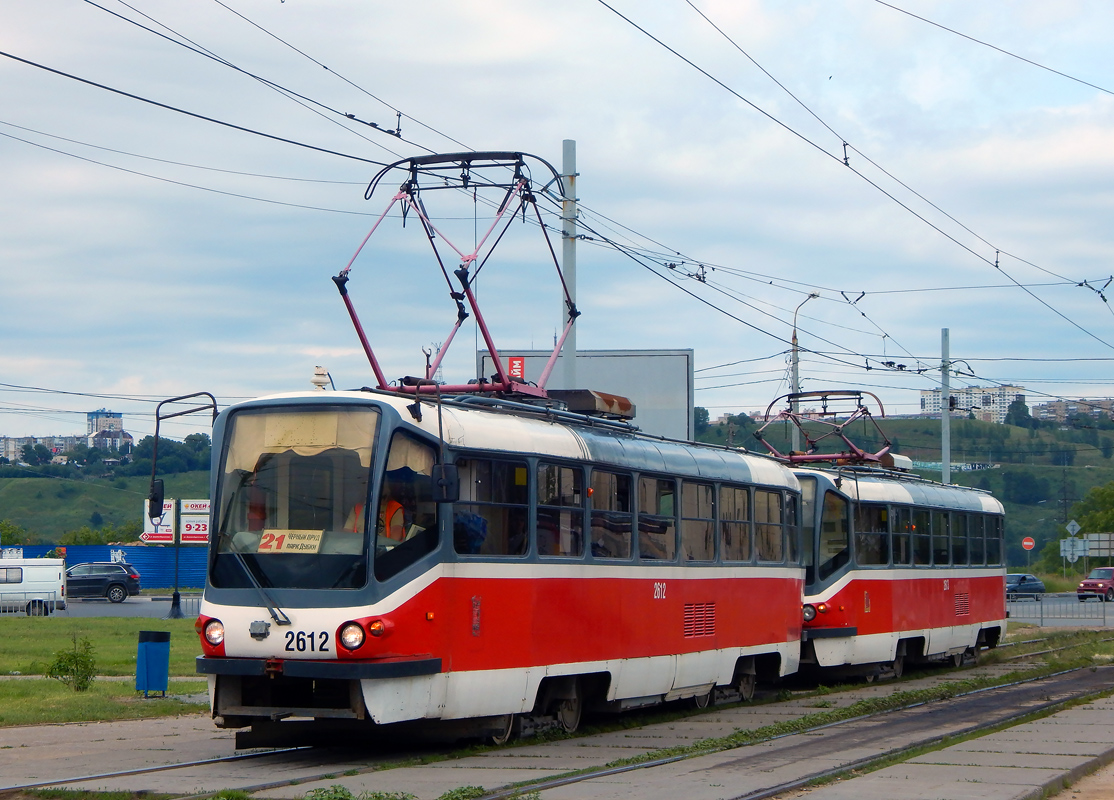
point(600, 773)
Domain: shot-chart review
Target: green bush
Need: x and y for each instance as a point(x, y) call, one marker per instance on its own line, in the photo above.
point(76, 668)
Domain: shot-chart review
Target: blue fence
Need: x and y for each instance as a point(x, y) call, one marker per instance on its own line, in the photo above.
point(154, 564)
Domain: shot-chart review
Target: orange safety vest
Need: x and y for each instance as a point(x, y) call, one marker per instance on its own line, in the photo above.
point(392, 518)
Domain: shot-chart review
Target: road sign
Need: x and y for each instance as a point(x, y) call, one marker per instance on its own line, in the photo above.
point(1028, 542)
point(1073, 527)
point(1073, 548)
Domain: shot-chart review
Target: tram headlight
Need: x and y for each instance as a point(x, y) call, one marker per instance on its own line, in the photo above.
point(214, 632)
point(822, 608)
point(352, 636)
point(809, 612)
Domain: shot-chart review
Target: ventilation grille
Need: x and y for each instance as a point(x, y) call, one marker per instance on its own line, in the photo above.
point(700, 620)
point(962, 605)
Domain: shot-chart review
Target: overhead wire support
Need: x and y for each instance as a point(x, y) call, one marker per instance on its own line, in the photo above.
point(454, 170)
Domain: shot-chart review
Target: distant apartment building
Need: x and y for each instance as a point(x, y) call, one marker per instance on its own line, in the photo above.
point(104, 430)
point(988, 403)
point(101, 420)
point(1060, 410)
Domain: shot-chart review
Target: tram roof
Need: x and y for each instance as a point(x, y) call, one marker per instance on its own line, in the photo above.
point(488, 428)
point(888, 487)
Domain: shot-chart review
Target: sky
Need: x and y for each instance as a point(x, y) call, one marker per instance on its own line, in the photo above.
point(914, 178)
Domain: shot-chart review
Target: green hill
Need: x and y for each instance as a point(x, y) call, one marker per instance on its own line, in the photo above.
point(49, 507)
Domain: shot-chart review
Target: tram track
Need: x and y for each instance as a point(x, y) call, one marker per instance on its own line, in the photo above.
point(343, 762)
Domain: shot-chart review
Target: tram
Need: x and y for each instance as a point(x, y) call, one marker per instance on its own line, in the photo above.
point(898, 570)
point(519, 561)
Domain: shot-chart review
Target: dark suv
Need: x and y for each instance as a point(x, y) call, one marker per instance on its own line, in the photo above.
point(102, 579)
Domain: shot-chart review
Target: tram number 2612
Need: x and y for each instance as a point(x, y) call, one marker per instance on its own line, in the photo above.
point(659, 590)
point(301, 641)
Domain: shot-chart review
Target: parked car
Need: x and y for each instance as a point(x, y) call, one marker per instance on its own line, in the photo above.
point(116, 581)
point(34, 586)
point(1100, 584)
point(1020, 585)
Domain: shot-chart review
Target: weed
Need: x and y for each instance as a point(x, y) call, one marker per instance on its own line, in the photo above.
point(75, 668)
point(463, 793)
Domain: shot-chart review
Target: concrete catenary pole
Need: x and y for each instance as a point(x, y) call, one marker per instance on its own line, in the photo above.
point(568, 257)
point(945, 407)
point(795, 375)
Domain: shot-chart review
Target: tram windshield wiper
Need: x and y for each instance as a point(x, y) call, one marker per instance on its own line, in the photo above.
point(277, 614)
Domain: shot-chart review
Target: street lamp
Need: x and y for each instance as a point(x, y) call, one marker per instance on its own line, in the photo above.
point(795, 378)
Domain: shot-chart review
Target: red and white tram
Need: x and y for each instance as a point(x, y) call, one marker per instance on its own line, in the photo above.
point(898, 570)
point(576, 563)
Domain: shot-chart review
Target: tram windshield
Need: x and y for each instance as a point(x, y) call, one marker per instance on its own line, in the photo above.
point(291, 491)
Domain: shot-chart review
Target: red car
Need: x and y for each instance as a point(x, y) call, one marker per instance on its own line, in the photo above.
point(1100, 584)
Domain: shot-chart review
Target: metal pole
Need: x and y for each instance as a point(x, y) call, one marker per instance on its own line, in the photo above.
point(795, 376)
point(176, 598)
point(945, 407)
point(568, 256)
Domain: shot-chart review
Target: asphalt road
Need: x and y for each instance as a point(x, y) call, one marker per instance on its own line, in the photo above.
point(1056, 610)
point(151, 607)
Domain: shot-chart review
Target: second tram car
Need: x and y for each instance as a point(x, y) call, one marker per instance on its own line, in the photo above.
point(898, 569)
point(576, 564)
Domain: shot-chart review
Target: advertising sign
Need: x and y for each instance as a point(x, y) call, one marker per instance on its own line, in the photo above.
point(164, 532)
point(195, 529)
point(195, 506)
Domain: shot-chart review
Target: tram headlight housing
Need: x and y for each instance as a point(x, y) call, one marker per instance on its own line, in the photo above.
point(808, 611)
point(214, 632)
point(352, 636)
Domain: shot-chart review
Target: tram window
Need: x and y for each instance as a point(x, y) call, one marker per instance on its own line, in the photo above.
point(993, 540)
point(290, 478)
point(610, 495)
point(975, 539)
point(769, 535)
point(922, 540)
point(657, 521)
point(698, 523)
point(406, 526)
point(734, 523)
point(793, 529)
point(560, 520)
point(872, 539)
point(941, 554)
point(902, 544)
point(835, 533)
point(491, 517)
point(959, 539)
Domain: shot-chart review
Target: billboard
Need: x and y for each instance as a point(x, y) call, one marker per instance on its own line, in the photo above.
point(164, 531)
point(658, 382)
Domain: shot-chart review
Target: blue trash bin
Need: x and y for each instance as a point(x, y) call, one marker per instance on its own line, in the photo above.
point(152, 663)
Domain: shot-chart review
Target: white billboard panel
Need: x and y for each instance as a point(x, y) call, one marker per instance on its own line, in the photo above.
point(658, 382)
point(164, 532)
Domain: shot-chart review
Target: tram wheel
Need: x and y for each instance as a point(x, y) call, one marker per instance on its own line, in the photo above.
point(568, 711)
point(747, 683)
point(957, 660)
point(898, 666)
point(507, 729)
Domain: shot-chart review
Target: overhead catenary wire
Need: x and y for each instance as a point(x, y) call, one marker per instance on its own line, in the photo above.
point(857, 172)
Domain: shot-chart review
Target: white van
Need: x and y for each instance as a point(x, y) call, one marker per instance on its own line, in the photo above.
point(35, 586)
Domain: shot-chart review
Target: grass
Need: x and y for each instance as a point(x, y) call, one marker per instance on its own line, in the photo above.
point(31, 642)
point(35, 701)
point(49, 507)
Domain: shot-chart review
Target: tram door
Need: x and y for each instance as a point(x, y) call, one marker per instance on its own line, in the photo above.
point(827, 513)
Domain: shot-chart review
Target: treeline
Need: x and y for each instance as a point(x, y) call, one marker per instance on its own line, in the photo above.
point(193, 453)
